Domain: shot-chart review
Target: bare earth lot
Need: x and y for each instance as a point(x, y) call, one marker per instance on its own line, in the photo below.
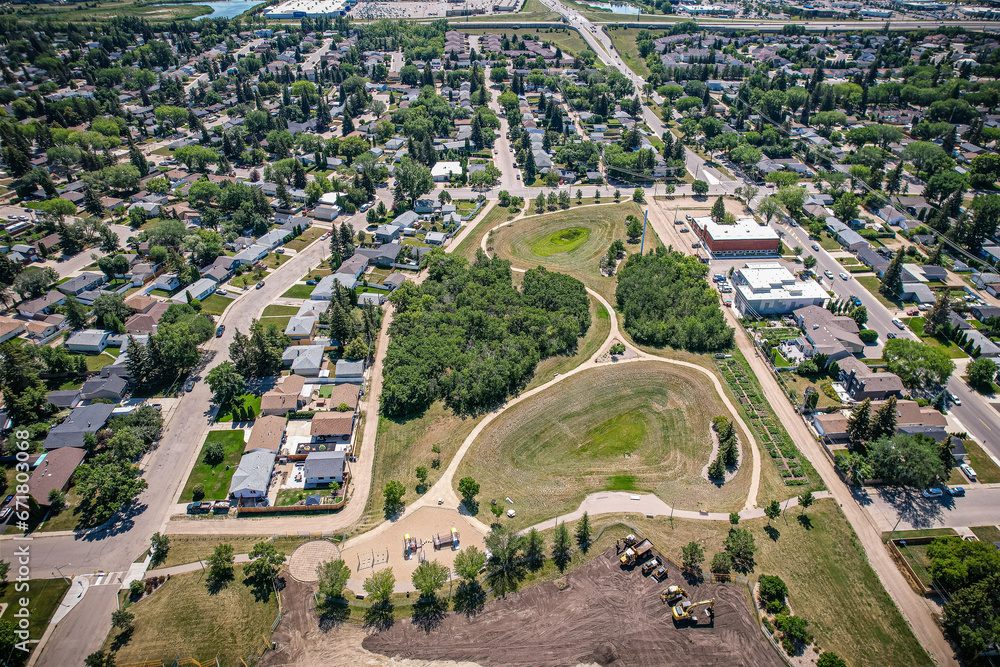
point(605, 615)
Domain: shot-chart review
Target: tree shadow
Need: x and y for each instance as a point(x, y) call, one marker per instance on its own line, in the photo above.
point(379, 616)
point(332, 613)
point(393, 511)
point(429, 611)
point(260, 585)
point(469, 507)
point(121, 639)
point(469, 598)
point(805, 521)
point(692, 578)
point(772, 532)
point(217, 581)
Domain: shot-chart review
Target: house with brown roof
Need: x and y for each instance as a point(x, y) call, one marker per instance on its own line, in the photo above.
point(141, 303)
point(10, 328)
point(862, 382)
point(54, 471)
point(268, 432)
point(343, 395)
point(331, 427)
point(284, 398)
point(39, 330)
point(831, 426)
point(142, 324)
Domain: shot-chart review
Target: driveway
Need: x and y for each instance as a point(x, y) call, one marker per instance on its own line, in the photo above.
point(894, 509)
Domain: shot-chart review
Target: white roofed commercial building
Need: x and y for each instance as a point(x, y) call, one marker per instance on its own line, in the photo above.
point(297, 9)
point(768, 288)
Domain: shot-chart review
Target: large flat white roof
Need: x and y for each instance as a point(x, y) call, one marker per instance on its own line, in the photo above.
point(745, 229)
point(771, 280)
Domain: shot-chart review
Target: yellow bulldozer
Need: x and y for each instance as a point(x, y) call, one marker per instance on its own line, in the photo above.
point(673, 594)
point(685, 610)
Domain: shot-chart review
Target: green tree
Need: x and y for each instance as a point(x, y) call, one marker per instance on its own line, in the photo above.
point(810, 262)
point(734, 518)
point(122, 619)
point(806, 500)
point(721, 564)
point(830, 659)
point(220, 566)
point(265, 562)
point(719, 210)
point(883, 422)
point(225, 382)
point(414, 179)
point(907, 461)
point(769, 207)
point(939, 315)
point(859, 423)
point(393, 492)
point(505, 566)
point(469, 488)
point(639, 196)
point(428, 577)
point(892, 279)
point(583, 532)
point(469, 562)
point(333, 576)
point(105, 485)
point(561, 547)
point(380, 585)
point(741, 548)
point(981, 372)
point(772, 511)
point(159, 545)
point(700, 188)
point(634, 229)
point(693, 557)
point(917, 364)
point(534, 549)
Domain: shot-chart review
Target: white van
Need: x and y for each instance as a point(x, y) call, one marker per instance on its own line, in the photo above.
point(899, 323)
point(969, 472)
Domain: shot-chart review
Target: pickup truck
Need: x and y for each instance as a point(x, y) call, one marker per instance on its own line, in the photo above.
point(203, 507)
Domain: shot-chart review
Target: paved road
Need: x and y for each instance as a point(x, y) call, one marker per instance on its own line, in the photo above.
point(75, 264)
point(165, 470)
point(900, 510)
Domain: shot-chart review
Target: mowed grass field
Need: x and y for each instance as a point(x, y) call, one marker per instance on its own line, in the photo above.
point(518, 242)
point(568, 40)
point(830, 582)
point(183, 618)
point(624, 40)
point(105, 11)
point(640, 426)
point(471, 243)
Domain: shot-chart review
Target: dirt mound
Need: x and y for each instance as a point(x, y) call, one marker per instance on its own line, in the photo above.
point(605, 615)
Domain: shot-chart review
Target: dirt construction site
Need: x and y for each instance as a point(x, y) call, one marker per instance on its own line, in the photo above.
point(600, 614)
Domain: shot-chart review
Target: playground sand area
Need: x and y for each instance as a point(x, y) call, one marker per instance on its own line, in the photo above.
point(601, 613)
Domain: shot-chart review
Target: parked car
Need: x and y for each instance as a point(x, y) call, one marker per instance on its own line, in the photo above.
point(829, 274)
point(279, 251)
point(890, 335)
point(221, 292)
point(199, 508)
point(815, 246)
point(221, 330)
point(955, 399)
point(220, 506)
point(932, 493)
point(899, 323)
point(259, 285)
point(855, 301)
point(685, 229)
point(518, 176)
point(5, 512)
point(956, 491)
point(913, 312)
point(969, 472)
point(310, 282)
point(695, 245)
point(189, 385)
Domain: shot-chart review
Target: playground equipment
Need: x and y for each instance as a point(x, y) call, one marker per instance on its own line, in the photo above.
point(636, 553)
point(409, 546)
point(672, 594)
point(449, 540)
point(684, 611)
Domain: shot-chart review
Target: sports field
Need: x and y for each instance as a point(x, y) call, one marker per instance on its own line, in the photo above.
point(637, 426)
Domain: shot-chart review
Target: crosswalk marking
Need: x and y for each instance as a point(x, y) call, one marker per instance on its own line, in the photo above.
point(106, 578)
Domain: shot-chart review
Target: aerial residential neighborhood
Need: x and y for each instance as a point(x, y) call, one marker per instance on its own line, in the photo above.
point(538, 333)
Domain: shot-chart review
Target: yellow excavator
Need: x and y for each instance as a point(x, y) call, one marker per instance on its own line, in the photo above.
point(672, 594)
point(683, 611)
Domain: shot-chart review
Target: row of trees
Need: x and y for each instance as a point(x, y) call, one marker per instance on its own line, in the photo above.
point(729, 454)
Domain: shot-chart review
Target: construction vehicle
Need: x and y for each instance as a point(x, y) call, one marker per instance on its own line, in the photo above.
point(661, 573)
point(649, 566)
point(636, 553)
point(684, 611)
point(672, 594)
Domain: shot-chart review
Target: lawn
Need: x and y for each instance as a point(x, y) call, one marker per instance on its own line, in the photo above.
point(650, 421)
point(987, 533)
point(987, 472)
point(248, 279)
point(871, 283)
point(66, 518)
point(403, 444)
point(279, 311)
point(273, 260)
point(280, 322)
point(471, 243)
point(44, 596)
point(225, 413)
point(606, 223)
point(214, 304)
point(564, 240)
point(308, 236)
point(191, 548)
point(587, 347)
point(827, 242)
point(826, 571)
point(96, 362)
point(953, 350)
point(916, 557)
point(799, 385)
point(215, 478)
point(107, 11)
point(298, 292)
point(568, 40)
point(624, 41)
point(182, 618)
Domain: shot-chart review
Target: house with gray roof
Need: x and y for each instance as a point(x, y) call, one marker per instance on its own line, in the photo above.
point(987, 347)
point(350, 371)
point(110, 388)
point(253, 475)
point(322, 468)
point(82, 283)
point(304, 360)
point(88, 340)
point(84, 419)
point(325, 288)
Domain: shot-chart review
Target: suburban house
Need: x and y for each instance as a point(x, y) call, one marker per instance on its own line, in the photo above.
point(350, 371)
point(987, 348)
point(300, 329)
point(82, 283)
point(768, 288)
point(83, 419)
point(199, 289)
point(88, 340)
point(825, 333)
point(167, 282)
point(862, 382)
point(332, 426)
point(303, 359)
point(268, 432)
point(10, 328)
point(324, 289)
point(111, 388)
point(284, 398)
point(253, 475)
point(386, 233)
point(443, 171)
point(38, 330)
point(343, 396)
point(832, 427)
point(43, 304)
point(53, 472)
point(383, 257)
point(64, 399)
point(322, 468)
